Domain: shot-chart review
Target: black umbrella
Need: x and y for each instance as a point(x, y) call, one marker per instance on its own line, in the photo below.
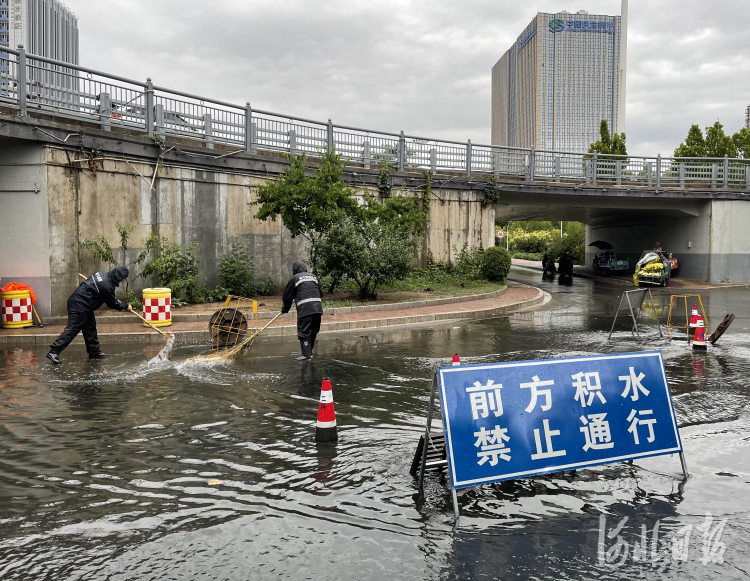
point(602, 245)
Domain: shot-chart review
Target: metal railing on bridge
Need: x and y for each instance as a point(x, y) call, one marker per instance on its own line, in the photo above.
point(74, 92)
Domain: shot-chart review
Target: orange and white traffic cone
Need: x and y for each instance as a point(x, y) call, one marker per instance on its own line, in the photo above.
point(326, 431)
point(694, 317)
point(456, 360)
point(699, 341)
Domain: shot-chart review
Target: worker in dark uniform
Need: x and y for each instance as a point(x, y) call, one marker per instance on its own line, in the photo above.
point(95, 291)
point(304, 289)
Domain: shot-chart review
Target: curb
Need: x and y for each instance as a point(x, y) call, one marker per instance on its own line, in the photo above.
point(196, 317)
point(329, 327)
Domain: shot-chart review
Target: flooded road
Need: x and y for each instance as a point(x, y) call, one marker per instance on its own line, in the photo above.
point(113, 470)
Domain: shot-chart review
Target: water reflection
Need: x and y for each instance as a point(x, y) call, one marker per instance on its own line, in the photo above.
point(107, 467)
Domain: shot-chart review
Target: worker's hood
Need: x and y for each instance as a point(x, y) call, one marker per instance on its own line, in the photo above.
point(118, 274)
point(299, 267)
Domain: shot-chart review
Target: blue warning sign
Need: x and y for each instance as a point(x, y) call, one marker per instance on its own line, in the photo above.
point(516, 419)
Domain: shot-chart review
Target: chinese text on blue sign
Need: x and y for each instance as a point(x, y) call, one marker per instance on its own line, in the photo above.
point(516, 419)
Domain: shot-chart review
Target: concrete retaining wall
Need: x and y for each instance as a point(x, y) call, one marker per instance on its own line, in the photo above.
point(77, 201)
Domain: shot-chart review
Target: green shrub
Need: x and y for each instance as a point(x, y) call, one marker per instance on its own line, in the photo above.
point(468, 263)
point(168, 265)
point(570, 244)
point(236, 270)
point(528, 255)
point(266, 286)
point(536, 241)
point(496, 264)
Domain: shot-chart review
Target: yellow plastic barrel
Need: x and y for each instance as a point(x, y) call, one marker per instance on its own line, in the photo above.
point(16, 309)
point(157, 306)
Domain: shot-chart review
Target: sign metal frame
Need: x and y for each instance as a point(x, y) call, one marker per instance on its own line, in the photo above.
point(437, 397)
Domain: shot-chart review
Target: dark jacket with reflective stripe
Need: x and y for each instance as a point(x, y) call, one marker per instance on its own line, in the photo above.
point(304, 289)
point(98, 290)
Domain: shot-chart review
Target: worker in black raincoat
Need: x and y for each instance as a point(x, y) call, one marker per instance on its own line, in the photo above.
point(304, 289)
point(95, 291)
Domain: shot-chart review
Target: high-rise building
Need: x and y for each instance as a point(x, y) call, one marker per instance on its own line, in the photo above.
point(44, 27)
point(562, 76)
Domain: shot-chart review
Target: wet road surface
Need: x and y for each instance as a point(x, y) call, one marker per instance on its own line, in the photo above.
point(114, 470)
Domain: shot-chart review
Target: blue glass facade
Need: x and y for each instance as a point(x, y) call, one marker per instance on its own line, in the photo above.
point(560, 83)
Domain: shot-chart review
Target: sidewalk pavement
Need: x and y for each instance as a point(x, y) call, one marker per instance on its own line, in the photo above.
point(517, 296)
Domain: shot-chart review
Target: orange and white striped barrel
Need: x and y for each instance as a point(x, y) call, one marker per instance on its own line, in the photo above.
point(157, 306)
point(16, 309)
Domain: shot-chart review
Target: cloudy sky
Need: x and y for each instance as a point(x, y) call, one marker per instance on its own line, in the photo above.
point(421, 66)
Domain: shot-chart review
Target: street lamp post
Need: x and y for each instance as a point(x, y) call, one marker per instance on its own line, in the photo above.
point(507, 236)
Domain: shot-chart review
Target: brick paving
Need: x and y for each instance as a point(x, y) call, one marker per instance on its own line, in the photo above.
point(517, 296)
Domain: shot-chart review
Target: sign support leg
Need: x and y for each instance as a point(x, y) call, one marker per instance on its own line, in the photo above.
point(613, 322)
point(427, 441)
point(684, 465)
point(635, 322)
point(653, 307)
point(455, 502)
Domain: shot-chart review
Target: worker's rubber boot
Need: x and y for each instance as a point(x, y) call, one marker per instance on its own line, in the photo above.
point(98, 355)
point(306, 349)
point(54, 358)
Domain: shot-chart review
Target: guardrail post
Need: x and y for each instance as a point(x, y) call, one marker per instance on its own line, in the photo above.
point(292, 141)
point(747, 177)
point(594, 168)
point(726, 172)
point(658, 171)
point(250, 139)
point(208, 130)
point(329, 137)
point(401, 151)
point(556, 170)
point(161, 128)
point(682, 175)
point(149, 120)
point(618, 172)
point(496, 164)
point(714, 174)
point(530, 168)
point(105, 111)
point(649, 174)
point(21, 87)
point(366, 154)
point(468, 159)
point(433, 160)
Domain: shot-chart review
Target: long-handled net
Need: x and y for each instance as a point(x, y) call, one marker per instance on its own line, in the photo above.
point(234, 329)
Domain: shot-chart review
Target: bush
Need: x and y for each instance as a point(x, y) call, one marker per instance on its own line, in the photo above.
point(236, 270)
point(468, 263)
point(496, 264)
point(536, 241)
point(168, 265)
point(528, 255)
point(266, 286)
point(570, 244)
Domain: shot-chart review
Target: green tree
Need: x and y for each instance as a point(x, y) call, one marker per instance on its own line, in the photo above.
point(694, 144)
point(718, 143)
point(610, 144)
point(307, 204)
point(741, 141)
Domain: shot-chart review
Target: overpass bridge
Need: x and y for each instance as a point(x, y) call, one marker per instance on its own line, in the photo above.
point(87, 121)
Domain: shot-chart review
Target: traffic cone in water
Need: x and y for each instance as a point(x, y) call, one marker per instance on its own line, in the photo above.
point(325, 430)
point(694, 317)
point(456, 360)
point(699, 341)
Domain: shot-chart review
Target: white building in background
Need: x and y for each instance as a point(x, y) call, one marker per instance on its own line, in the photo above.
point(562, 76)
point(44, 27)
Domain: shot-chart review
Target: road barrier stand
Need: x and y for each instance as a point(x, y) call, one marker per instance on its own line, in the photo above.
point(675, 314)
point(325, 430)
point(17, 309)
point(157, 306)
point(633, 300)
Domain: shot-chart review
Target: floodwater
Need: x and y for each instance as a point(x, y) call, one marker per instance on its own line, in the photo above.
point(113, 470)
